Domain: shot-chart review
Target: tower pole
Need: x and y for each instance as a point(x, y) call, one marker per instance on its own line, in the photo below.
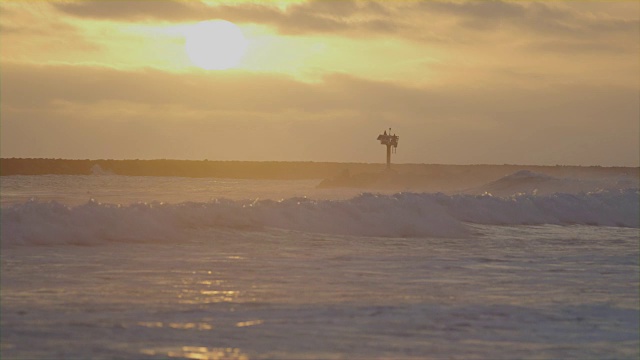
point(389, 140)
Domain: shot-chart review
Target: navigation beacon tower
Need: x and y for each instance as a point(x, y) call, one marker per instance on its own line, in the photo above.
point(389, 140)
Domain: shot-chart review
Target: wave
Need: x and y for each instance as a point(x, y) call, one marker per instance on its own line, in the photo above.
point(398, 215)
point(529, 182)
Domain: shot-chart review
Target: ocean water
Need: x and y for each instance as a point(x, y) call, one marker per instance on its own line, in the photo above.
point(106, 267)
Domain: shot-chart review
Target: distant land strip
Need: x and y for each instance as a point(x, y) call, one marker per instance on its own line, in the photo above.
point(181, 168)
point(275, 170)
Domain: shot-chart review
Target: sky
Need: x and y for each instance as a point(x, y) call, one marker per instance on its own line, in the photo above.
point(461, 82)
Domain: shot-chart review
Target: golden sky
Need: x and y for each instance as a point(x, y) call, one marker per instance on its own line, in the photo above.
point(461, 82)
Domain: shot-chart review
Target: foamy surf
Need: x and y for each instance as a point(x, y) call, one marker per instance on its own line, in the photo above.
point(372, 215)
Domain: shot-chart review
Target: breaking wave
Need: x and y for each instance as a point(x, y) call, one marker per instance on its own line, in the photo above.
point(398, 215)
point(529, 182)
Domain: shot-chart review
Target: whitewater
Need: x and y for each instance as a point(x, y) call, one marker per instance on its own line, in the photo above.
point(527, 266)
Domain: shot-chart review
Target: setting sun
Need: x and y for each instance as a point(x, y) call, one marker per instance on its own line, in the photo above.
point(215, 45)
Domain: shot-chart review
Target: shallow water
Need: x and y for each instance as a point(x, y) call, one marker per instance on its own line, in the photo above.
point(214, 292)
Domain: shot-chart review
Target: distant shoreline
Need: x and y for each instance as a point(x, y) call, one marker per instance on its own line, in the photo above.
point(332, 174)
point(180, 168)
point(237, 168)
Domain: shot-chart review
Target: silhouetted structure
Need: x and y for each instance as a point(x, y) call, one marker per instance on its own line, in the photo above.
point(389, 140)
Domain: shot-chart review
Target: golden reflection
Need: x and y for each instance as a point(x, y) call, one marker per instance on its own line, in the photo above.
point(175, 325)
point(198, 326)
point(189, 296)
point(203, 353)
point(209, 282)
point(249, 323)
point(151, 324)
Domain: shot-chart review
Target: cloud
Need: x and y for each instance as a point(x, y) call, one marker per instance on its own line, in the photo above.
point(44, 32)
point(498, 90)
point(309, 17)
point(468, 23)
point(133, 10)
point(44, 86)
point(535, 18)
point(572, 48)
point(489, 10)
point(571, 123)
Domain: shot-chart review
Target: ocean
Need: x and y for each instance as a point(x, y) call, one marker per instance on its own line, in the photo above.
point(106, 267)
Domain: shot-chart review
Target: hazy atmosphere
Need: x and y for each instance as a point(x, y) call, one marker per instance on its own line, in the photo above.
point(329, 180)
point(539, 83)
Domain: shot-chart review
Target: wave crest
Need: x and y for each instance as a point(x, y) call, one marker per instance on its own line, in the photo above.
point(398, 215)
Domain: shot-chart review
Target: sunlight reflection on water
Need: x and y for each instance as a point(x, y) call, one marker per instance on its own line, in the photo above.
point(176, 325)
point(249, 323)
point(208, 296)
point(199, 352)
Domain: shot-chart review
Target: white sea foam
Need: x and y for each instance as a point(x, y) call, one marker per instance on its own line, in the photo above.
point(397, 215)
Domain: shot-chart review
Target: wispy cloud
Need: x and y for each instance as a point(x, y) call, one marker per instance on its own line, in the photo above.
point(309, 17)
point(373, 17)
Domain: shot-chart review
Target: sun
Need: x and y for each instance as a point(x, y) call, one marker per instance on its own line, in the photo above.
point(215, 45)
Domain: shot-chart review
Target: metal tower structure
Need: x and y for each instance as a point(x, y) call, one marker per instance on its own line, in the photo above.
point(389, 140)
